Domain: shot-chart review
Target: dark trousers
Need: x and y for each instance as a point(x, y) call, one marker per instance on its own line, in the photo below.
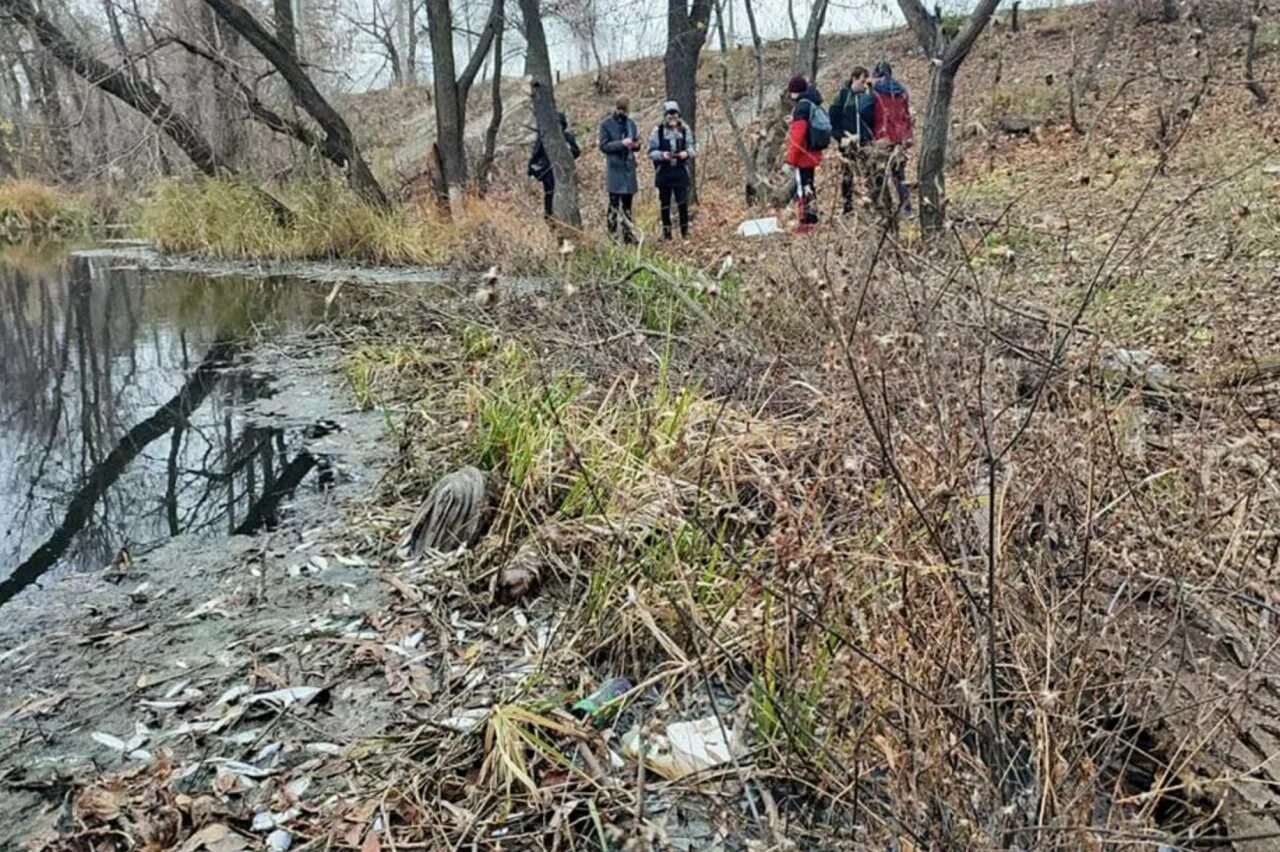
point(853, 172)
point(846, 184)
point(899, 172)
point(681, 196)
point(619, 217)
point(807, 203)
point(548, 193)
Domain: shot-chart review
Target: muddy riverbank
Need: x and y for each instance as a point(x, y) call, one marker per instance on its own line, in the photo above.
point(140, 655)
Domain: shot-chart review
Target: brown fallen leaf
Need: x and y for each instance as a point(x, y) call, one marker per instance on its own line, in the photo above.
point(102, 804)
point(372, 842)
point(211, 835)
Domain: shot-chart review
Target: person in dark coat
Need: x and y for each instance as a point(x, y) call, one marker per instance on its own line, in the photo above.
point(619, 141)
point(671, 148)
point(799, 155)
point(849, 131)
point(540, 163)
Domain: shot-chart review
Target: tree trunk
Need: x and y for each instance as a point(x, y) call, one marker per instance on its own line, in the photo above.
point(495, 115)
point(411, 45)
point(450, 117)
point(339, 144)
point(538, 63)
point(946, 59)
point(686, 32)
point(286, 31)
point(55, 122)
point(393, 57)
point(757, 47)
point(113, 81)
point(810, 46)
point(229, 133)
point(933, 151)
point(1259, 92)
point(451, 90)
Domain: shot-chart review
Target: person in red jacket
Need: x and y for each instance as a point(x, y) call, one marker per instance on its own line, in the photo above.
point(799, 155)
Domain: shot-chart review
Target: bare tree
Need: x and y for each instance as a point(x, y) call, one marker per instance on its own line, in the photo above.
point(807, 48)
point(686, 33)
point(339, 143)
point(118, 83)
point(565, 204)
point(452, 89)
point(393, 26)
point(946, 56)
point(582, 17)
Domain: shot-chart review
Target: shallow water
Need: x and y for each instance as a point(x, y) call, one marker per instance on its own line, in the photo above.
point(123, 408)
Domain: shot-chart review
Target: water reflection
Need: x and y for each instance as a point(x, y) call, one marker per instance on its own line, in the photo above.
point(121, 419)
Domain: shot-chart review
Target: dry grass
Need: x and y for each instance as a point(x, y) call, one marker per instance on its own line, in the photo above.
point(228, 220)
point(32, 209)
point(880, 507)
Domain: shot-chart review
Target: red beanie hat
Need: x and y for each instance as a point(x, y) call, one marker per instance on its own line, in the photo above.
point(798, 84)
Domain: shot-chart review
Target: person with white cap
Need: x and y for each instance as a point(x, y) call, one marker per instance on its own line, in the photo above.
point(671, 148)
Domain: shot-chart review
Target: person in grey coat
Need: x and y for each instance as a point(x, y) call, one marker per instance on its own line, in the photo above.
point(619, 142)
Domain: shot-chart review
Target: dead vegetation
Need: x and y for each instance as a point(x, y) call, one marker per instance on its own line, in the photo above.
point(960, 546)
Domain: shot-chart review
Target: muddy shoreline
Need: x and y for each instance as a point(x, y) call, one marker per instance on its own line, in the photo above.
point(144, 256)
point(103, 653)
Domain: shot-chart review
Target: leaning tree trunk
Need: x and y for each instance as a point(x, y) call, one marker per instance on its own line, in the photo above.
point(116, 82)
point(538, 66)
point(286, 31)
point(933, 151)
point(339, 143)
point(686, 32)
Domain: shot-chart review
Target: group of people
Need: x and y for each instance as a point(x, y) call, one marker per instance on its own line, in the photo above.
point(871, 111)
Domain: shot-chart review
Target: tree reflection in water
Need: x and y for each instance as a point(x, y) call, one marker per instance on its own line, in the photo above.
point(121, 410)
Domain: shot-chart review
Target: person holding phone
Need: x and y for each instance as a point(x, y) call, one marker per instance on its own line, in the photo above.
point(618, 141)
point(671, 148)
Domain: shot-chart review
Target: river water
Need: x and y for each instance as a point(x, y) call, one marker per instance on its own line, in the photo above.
point(125, 414)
